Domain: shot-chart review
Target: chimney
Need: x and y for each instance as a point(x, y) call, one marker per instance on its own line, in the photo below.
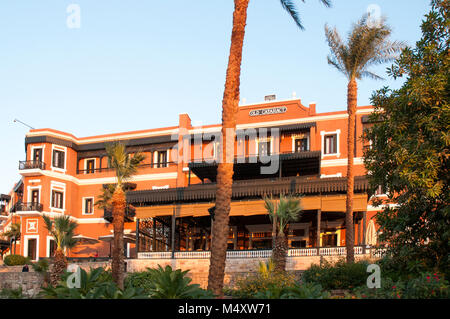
point(312, 108)
point(271, 97)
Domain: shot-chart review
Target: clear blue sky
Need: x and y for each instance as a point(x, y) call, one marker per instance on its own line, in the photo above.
point(138, 64)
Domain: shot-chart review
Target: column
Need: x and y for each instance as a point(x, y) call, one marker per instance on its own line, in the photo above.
point(137, 237)
point(319, 217)
point(364, 231)
point(172, 239)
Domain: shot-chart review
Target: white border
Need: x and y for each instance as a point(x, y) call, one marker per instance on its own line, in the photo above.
point(83, 205)
point(25, 245)
point(85, 164)
point(59, 187)
point(338, 133)
point(61, 149)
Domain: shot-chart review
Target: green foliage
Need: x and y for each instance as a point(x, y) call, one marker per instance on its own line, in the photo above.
point(296, 291)
point(265, 269)
point(41, 266)
point(165, 283)
point(410, 151)
point(11, 294)
point(16, 260)
point(366, 46)
point(13, 231)
point(95, 284)
point(62, 228)
point(287, 210)
point(339, 275)
point(250, 285)
point(425, 286)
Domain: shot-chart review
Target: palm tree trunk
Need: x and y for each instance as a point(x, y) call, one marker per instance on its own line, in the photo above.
point(118, 213)
point(59, 265)
point(352, 91)
point(230, 105)
point(279, 253)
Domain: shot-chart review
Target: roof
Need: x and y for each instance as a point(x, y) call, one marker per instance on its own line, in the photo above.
point(247, 189)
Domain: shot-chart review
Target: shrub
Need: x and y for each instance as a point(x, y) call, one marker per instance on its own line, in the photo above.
point(41, 266)
point(339, 275)
point(297, 291)
point(97, 284)
point(166, 283)
point(251, 285)
point(16, 260)
point(11, 294)
point(425, 286)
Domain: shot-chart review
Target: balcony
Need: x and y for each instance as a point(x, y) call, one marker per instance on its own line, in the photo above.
point(302, 163)
point(31, 168)
point(27, 207)
point(130, 212)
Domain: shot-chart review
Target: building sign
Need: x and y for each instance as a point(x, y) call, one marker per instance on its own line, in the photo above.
point(271, 111)
point(32, 226)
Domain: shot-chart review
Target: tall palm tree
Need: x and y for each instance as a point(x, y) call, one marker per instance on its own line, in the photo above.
point(62, 230)
point(366, 46)
point(230, 104)
point(281, 213)
point(125, 166)
point(13, 233)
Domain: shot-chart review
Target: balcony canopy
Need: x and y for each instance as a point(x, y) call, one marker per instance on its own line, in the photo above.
point(250, 167)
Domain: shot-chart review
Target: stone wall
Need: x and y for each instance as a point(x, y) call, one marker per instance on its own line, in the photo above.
point(30, 282)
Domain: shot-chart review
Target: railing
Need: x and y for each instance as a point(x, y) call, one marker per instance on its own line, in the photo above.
point(27, 207)
point(261, 253)
point(31, 165)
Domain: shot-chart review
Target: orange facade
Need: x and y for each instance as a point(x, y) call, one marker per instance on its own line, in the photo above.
point(63, 174)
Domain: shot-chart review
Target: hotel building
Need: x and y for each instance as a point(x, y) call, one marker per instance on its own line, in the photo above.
point(282, 147)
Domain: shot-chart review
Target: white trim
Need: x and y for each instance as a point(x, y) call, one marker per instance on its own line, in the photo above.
point(33, 147)
point(32, 188)
point(295, 137)
point(61, 149)
point(102, 138)
point(25, 245)
point(331, 175)
point(59, 187)
point(341, 162)
point(49, 238)
point(263, 139)
point(338, 133)
point(106, 180)
point(161, 187)
point(83, 205)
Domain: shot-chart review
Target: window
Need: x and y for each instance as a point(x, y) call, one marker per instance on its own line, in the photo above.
point(35, 196)
point(161, 159)
point(329, 240)
point(300, 145)
point(57, 199)
point(264, 148)
point(58, 159)
point(52, 248)
point(88, 206)
point(37, 155)
point(330, 144)
point(90, 166)
point(32, 246)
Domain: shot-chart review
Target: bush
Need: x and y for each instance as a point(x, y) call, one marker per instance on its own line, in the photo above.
point(16, 260)
point(11, 294)
point(166, 283)
point(426, 286)
point(41, 266)
point(297, 291)
point(97, 284)
point(339, 275)
point(249, 286)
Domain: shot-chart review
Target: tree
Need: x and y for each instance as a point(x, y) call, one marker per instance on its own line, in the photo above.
point(125, 166)
point(13, 233)
point(366, 46)
point(62, 230)
point(409, 156)
point(230, 104)
point(287, 210)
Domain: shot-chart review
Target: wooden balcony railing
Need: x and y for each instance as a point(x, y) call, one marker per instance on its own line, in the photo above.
point(31, 165)
point(27, 207)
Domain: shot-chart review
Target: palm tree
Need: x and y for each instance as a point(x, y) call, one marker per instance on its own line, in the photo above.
point(62, 230)
point(366, 46)
point(125, 167)
point(287, 210)
point(230, 104)
point(13, 233)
